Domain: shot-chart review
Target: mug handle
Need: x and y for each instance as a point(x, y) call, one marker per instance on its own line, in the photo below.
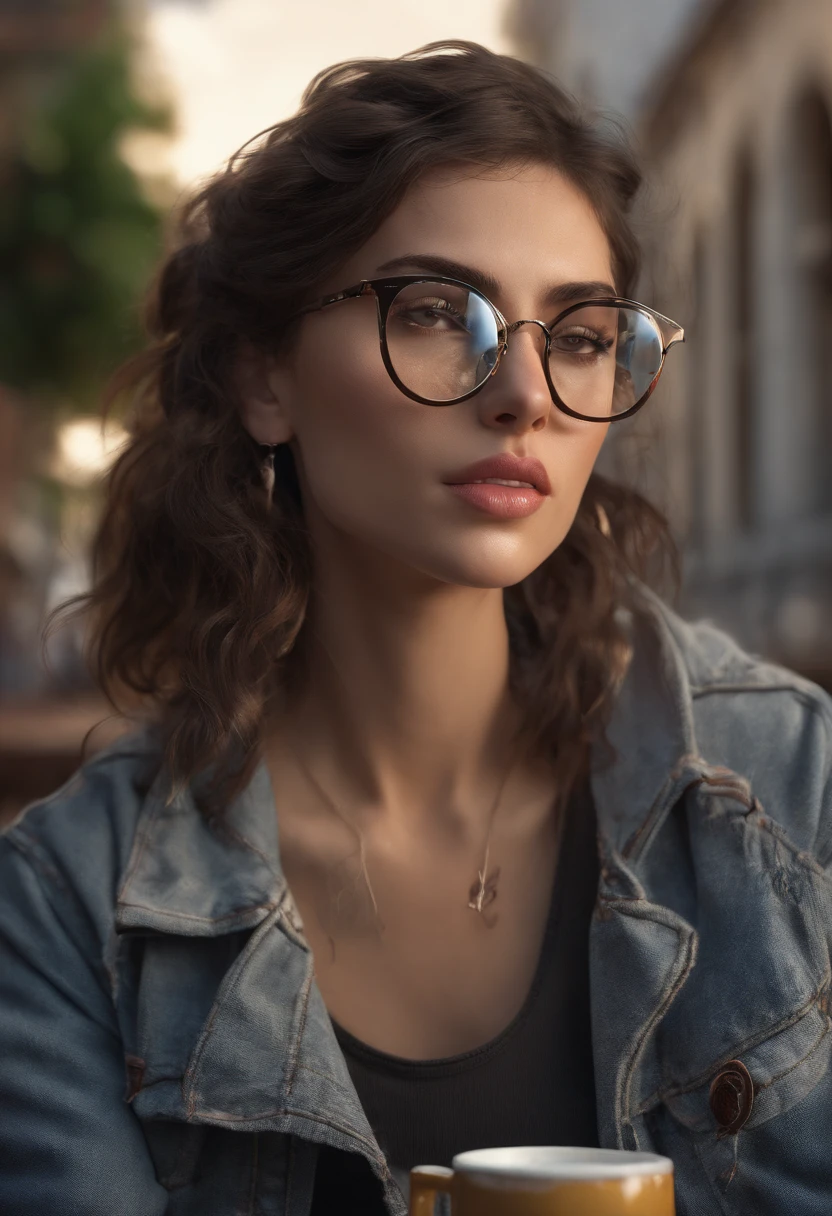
point(425, 1182)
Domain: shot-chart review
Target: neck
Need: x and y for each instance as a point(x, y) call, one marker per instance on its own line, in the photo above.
point(402, 706)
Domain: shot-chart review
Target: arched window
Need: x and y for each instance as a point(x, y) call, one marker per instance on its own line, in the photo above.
point(812, 192)
point(697, 364)
point(743, 228)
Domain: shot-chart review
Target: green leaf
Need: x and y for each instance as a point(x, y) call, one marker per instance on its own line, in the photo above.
point(78, 237)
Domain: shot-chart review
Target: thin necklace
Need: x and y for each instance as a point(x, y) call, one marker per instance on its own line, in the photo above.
point(482, 892)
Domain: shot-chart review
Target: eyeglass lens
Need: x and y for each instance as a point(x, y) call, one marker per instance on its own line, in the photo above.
point(443, 343)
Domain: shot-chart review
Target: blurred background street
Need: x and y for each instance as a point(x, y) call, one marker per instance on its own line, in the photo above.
point(111, 109)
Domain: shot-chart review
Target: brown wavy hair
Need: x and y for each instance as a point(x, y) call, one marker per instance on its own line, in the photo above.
point(199, 590)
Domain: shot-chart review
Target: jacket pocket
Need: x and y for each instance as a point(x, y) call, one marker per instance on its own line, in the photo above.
point(757, 1124)
point(783, 1069)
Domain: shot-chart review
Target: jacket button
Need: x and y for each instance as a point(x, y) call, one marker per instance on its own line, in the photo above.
point(731, 1097)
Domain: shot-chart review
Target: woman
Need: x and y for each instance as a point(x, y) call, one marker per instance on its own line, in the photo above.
point(339, 908)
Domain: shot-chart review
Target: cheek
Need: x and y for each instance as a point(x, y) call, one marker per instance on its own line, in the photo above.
point(372, 460)
point(574, 453)
point(352, 425)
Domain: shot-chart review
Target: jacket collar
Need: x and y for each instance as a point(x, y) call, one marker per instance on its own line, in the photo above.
point(267, 1058)
point(651, 730)
point(182, 878)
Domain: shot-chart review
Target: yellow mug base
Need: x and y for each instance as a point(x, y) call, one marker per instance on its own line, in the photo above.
point(636, 1196)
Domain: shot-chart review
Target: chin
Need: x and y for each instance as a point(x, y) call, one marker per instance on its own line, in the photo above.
point(487, 571)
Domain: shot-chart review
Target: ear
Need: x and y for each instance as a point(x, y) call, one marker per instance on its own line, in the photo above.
point(263, 409)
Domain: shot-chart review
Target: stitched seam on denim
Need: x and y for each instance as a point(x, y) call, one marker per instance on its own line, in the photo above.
point(325, 1077)
point(689, 950)
point(715, 1191)
point(143, 834)
point(811, 701)
point(246, 843)
point(699, 690)
point(685, 959)
point(295, 1050)
point(350, 1131)
point(653, 821)
point(645, 829)
point(287, 926)
point(219, 1117)
point(641, 838)
point(192, 1073)
point(758, 1088)
point(658, 914)
point(733, 792)
point(765, 823)
point(341, 1127)
point(661, 1095)
point(203, 920)
point(792, 1067)
point(161, 1081)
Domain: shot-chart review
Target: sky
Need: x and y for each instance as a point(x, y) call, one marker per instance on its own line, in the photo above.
point(234, 67)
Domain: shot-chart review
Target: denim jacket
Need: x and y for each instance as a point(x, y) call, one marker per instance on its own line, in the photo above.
point(164, 1047)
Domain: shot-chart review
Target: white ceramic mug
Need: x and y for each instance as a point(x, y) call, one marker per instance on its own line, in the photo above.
point(547, 1181)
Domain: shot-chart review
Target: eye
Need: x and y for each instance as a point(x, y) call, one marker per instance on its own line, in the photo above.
point(429, 313)
point(582, 341)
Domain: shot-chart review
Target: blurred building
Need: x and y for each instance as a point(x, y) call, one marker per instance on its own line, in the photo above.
point(730, 104)
point(32, 33)
point(35, 37)
point(39, 742)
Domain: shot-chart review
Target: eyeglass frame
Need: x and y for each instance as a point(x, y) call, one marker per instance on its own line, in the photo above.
point(385, 291)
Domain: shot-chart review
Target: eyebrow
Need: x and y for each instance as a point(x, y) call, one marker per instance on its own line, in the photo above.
point(560, 293)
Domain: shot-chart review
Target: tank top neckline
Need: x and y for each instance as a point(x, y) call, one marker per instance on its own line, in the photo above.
point(404, 1065)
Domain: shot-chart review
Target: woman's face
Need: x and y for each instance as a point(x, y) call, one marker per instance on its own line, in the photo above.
point(374, 465)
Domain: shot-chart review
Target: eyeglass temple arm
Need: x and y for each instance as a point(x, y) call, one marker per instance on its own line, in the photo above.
point(670, 331)
point(360, 289)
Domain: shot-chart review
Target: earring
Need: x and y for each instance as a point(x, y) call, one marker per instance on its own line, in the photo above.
point(267, 472)
point(603, 521)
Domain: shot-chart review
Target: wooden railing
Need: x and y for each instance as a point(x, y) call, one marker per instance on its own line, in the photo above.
point(41, 745)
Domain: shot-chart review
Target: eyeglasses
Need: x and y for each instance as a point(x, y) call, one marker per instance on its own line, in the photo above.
point(442, 340)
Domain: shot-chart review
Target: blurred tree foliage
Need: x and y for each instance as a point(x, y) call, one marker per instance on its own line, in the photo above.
point(78, 237)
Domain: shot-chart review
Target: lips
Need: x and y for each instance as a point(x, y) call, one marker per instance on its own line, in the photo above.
point(507, 468)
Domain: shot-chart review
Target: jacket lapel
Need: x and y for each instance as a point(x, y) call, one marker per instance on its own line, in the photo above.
point(184, 878)
point(641, 952)
point(267, 1058)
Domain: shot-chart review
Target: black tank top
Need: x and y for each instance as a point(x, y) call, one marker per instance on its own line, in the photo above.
point(531, 1084)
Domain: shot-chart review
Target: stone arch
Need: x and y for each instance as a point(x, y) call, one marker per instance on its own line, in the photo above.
point(743, 221)
point(809, 215)
point(697, 387)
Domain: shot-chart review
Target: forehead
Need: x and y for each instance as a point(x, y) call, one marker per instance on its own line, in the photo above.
point(528, 226)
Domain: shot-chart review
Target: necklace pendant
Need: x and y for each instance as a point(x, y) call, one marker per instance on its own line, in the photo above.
point(484, 891)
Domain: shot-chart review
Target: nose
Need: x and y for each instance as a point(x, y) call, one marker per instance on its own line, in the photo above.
point(516, 325)
point(518, 395)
